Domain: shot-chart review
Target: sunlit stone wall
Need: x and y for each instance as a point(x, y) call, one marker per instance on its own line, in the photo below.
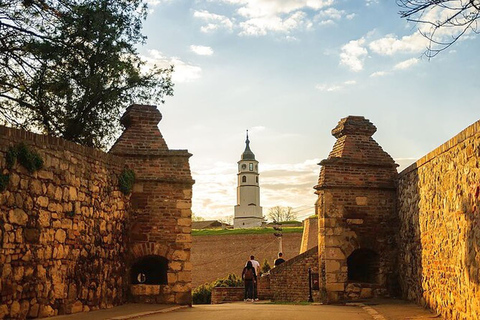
point(439, 209)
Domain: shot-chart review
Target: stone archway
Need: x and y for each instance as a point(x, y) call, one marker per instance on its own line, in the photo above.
point(363, 266)
point(149, 270)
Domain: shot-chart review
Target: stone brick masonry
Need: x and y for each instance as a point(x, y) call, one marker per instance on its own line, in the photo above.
point(356, 215)
point(63, 240)
point(70, 240)
point(289, 281)
point(439, 238)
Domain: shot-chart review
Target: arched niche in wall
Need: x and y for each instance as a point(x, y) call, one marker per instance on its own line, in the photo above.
point(149, 270)
point(363, 266)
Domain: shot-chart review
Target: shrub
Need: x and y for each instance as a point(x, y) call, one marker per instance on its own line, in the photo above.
point(231, 281)
point(29, 159)
point(4, 179)
point(202, 294)
point(265, 268)
point(126, 181)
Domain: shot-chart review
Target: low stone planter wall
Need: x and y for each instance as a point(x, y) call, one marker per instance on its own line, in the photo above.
point(221, 295)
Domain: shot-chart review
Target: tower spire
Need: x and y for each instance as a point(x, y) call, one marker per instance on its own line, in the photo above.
point(247, 154)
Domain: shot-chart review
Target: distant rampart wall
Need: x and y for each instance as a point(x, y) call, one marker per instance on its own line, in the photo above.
point(439, 237)
point(215, 257)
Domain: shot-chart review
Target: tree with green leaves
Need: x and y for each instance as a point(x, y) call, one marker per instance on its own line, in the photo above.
point(442, 22)
point(68, 68)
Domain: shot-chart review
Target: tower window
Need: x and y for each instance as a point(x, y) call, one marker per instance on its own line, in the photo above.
point(244, 179)
point(256, 179)
point(250, 166)
point(244, 166)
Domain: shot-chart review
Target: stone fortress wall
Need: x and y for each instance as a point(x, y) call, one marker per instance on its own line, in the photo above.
point(71, 241)
point(439, 237)
point(62, 230)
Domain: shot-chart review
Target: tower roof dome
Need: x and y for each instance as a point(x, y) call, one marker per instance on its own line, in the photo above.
point(248, 154)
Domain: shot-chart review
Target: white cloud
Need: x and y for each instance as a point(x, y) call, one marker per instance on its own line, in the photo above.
point(330, 13)
point(328, 88)
point(351, 16)
point(379, 74)
point(184, 72)
point(353, 55)
point(202, 50)
point(214, 21)
point(406, 64)
point(335, 87)
point(261, 26)
point(261, 17)
point(390, 44)
point(371, 2)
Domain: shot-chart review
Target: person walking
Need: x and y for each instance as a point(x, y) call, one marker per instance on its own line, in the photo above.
point(256, 266)
point(279, 260)
point(249, 277)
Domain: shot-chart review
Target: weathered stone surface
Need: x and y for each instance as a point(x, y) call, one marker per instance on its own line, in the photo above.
point(439, 210)
point(15, 309)
point(17, 216)
point(64, 228)
point(60, 235)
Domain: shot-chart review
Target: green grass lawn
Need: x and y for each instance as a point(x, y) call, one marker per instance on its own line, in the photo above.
point(221, 232)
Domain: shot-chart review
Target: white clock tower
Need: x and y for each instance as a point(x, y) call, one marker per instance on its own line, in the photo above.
point(248, 213)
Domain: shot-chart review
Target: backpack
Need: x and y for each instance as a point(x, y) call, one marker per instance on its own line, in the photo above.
point(248, 274)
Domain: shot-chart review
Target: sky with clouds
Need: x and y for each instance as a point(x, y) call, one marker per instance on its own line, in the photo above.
point(289, 70)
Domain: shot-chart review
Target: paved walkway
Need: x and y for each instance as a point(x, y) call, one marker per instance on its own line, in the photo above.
point(386, 309)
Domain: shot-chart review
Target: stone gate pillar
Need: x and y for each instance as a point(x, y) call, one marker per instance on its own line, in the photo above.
point(356, 215)
point(159, 267)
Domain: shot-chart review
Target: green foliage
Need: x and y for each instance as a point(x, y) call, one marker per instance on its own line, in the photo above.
point(4, 179)
point(126, 181)
point(26, 157)
point(29, 159)
point(11, 157)
point(265, 266)
point(290, 222)
point(222, 232)
point(203, 293)
point(69, 68)
point(231, 281)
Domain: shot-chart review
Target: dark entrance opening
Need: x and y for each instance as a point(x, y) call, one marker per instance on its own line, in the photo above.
point(363, 266)
point(150, 270)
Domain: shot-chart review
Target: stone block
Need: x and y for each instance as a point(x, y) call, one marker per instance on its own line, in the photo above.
point(34, 310)
point(18, 217)
point(60, 235)
point(3, 311)
point(46, 311)
point(44, 218)
point(171, 278)
point(181, 255)
point(366, 293)
point(333, 253)
point(32, 235)
point(15, 309)
point(332, 266)
point(361, 201)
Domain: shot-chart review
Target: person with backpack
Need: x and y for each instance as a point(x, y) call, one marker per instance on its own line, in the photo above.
point(249, 277)
point(256, 266)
